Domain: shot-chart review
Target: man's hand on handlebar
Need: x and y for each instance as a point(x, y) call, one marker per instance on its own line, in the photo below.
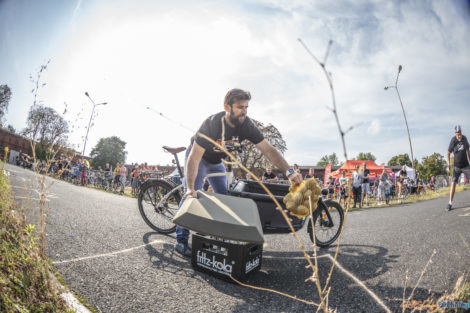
point(295, 178)
point(190, 194)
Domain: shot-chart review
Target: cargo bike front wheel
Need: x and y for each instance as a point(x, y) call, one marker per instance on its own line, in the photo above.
point(328, 219)
point(158, 203)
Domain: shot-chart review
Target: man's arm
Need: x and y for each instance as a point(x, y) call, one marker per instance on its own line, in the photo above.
point(191, 169)
point(278, 160)
point(467, 146)
point(448, 161)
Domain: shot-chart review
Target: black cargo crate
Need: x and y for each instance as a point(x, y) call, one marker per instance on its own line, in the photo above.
point(220, 258)
point(272, 220)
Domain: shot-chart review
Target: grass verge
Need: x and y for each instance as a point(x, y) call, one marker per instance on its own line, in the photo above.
point(415, 198)
point(24, 283)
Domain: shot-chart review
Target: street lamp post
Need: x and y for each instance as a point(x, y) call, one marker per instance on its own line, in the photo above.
point(404, 115)
point(91, 118)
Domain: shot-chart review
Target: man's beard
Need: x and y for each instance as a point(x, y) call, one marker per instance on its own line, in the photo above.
point(234, 120)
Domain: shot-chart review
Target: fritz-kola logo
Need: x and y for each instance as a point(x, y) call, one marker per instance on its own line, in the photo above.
point(214, 264)
point(250, 265)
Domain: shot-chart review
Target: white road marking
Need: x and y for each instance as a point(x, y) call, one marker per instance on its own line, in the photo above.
point(107, 254)
point(48, 196)
point(292, 258)
point(466, 214)
point(30, 198)
point(20, 187)
point(360, 283)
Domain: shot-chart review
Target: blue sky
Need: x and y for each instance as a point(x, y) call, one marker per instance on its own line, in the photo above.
point(181, 57)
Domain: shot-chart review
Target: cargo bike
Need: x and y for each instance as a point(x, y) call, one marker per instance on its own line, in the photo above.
point(159, 199)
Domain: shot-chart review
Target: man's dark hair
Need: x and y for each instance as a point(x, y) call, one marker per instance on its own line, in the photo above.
point(235, 95)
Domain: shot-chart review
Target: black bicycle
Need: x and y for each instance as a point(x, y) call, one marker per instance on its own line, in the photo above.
point(159, 200)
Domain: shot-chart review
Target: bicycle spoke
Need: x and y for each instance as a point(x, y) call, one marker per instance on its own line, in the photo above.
point(157, 207)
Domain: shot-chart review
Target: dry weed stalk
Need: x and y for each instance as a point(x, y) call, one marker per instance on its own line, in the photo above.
point(330, 82)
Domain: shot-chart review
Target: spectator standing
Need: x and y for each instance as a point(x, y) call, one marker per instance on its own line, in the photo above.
point(382, 179)
point(108, 174)
point(135, 180)
point(83, 170)
point(402, 182)
point(357, 186)
point(331, 187)
point(344, 190)
point(388, 191)
point(117, 176)
point(365, 184)
point(123, 178)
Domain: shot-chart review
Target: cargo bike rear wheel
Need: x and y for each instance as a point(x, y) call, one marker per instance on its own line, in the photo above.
point(158, 203)
point(328, 219)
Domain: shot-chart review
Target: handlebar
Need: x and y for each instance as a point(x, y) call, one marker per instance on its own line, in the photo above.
point(236, 146)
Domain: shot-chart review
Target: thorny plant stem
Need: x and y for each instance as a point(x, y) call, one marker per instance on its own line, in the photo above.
point(422, 274)
point(315, 277)
point(404, 291)
point(328, 77)
point(330, 274)
point(278, 206)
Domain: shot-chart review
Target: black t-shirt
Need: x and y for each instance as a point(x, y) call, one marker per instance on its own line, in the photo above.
point(212, 127)
point(402, 175)
point(459, 148)
point(269, 176)
point(366, 173)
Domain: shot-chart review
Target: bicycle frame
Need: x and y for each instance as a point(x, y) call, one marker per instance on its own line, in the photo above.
point(169, 194)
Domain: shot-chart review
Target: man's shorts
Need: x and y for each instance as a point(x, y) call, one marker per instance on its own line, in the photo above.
point(458, 171)
point(365, 188)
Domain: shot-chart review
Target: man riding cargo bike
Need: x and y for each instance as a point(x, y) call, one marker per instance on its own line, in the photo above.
point(228, 128)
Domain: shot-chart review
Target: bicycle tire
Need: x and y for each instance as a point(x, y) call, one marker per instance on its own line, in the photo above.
point(327, 225)
point(158, 218)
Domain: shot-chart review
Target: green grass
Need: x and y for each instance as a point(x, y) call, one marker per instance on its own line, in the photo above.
point(416, 198)
point(24, 283)
point(462, 294)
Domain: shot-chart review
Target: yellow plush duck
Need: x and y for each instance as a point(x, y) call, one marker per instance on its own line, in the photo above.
point(297, 200)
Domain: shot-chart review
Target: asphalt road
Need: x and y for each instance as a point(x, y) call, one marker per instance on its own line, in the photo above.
point(107, 254)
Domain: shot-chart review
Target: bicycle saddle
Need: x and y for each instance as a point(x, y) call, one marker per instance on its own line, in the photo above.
point(174, 150)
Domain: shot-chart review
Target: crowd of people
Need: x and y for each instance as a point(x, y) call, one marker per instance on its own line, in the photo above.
point(359, 187)
point(79, 171)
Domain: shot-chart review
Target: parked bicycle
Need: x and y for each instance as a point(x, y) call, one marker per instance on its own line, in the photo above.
point(159, 200)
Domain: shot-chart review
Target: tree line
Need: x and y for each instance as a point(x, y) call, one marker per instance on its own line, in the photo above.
point(432, 165)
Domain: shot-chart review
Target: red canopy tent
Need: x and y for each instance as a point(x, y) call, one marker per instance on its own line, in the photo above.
point(350, 165)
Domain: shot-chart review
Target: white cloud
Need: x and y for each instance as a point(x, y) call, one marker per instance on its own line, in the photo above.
point(181, 59)
point(374, 128)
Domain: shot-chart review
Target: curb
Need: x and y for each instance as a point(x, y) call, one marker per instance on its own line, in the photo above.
point(70, 299)
point(73, 303)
